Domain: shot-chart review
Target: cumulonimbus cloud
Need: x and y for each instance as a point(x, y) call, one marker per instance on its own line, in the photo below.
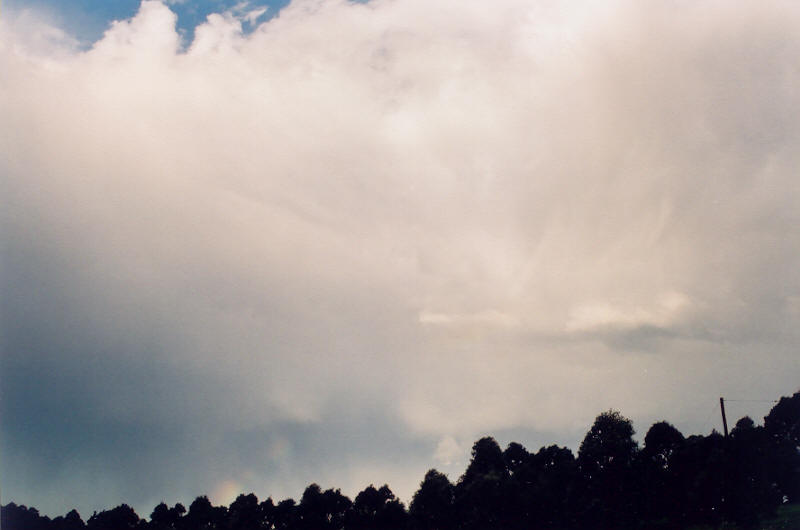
point(453, 216)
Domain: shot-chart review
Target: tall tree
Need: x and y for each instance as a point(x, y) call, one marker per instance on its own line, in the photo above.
point(750, 494)
point(782, 425)
point(432, 505)
point(542, 489)
point(657, 479)
point(285, 515)
point(605, 461)
point(487, 459)
point(320, 510)
point(267, 514)
point(699, 467)
point(244, 513)
point(481, 495)
point(203, 515)
point(165, 518)
point(557, 472)
point(375, 509)
point(783, 421)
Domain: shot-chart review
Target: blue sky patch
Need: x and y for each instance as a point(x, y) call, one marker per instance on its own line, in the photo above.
point(88, 19)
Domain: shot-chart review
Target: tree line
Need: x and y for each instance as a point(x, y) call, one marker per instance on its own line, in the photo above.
point(671, 482)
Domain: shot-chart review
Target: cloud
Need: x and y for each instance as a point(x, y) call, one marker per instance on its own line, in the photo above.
point(244, 12)
point(389, 226)
point(603, 315)
point(447, 450)
point(489, 317)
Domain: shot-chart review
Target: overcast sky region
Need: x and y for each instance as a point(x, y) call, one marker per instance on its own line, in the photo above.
point(337, 242)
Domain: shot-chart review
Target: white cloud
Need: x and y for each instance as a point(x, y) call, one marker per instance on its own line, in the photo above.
point(253, 15)
point(593, 316)
point(490, 317)
point(448, 450)
point(465, 218)
point(243, 11)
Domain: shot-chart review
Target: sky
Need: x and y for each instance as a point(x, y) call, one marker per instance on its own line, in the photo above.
point(87, 20)
point(338, 242)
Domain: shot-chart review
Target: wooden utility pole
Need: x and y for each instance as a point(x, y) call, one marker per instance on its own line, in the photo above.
point(724, 421)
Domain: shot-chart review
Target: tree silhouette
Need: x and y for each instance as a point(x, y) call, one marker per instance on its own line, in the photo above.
point(244, 513)
point(285, 515)
point(487, 459)
point(71, 521)
point(15, 517)
point(377, 508)
point(672, 483)
point(782, 426)
point(700, 466)
point(267, 514)
point(320, 510)
point(557, 471)
point(783, 421)
point(481, 494)
point(661, 442)
point(605, 460)
point(750, 492)
point(661, 494)
point(541, 489)
point(203, 516)
point(123, 517)
point(432, 506)
point(515, 456)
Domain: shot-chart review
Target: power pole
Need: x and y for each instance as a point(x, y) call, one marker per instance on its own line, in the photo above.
point(724, 421)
